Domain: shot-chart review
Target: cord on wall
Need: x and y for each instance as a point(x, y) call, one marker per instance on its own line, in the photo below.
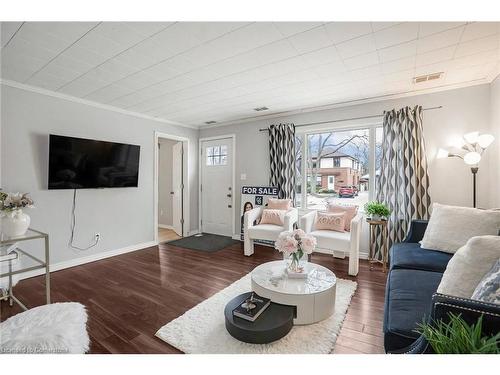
point(73, 225)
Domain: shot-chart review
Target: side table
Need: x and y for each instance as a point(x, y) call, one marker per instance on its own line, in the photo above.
point(30, 235)
point(384, 230)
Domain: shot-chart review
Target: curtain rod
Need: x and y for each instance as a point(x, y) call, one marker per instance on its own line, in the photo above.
point(347, 119)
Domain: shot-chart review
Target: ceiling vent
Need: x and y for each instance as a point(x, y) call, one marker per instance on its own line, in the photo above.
point(210, 122)
point(258, 109)
point(428, 77)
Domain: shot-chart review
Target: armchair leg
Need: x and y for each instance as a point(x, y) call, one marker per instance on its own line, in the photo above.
point(248, 246)
point(353, 265)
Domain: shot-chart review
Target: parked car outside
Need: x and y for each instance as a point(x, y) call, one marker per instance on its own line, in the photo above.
point(349, 191)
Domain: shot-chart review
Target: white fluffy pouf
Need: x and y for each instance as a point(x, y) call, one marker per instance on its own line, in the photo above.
point(55, 328)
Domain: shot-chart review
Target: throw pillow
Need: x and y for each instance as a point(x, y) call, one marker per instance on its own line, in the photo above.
point(279, 204)
point(330, 221)
point(276, 217)
point(350, 212)
point(469, 265)
point(488, 289)
point(450, 227)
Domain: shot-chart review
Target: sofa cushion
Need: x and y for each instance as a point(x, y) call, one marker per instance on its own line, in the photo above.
point(469, 265)
point(408, 302)
point(411, 256)
point(332, 240)
point(450, 227)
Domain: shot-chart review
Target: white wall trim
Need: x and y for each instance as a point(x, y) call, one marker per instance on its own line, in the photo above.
point(88, 259)
point(186, 190)
point(349, 103)
point(233, 193)
point(90, 103)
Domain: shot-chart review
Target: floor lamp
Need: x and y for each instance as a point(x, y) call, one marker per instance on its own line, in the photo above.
point(473, 147)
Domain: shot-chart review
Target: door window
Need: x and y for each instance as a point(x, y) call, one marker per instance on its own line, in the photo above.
point(216, 155)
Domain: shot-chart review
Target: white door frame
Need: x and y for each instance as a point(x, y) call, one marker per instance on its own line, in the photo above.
point(233, 193)
point(185, 172)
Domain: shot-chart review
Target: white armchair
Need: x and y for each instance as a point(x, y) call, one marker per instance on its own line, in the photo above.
point(329, 240)
point(269, 232)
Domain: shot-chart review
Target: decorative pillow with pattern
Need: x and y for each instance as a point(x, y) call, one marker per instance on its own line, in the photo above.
point(279, 204)
point(488, 289)
point(276, 217)
point(330, 221)
point(350, 212)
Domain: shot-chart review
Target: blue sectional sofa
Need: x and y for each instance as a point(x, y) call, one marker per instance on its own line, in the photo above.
point(413, 279)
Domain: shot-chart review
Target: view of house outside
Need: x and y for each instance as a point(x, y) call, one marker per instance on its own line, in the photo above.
point(337, 167)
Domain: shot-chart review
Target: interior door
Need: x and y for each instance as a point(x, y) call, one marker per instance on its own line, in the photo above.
point(216, 186)
point(177, 188)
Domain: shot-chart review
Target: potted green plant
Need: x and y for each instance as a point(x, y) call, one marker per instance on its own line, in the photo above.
point(458, 337)
point(377, 210)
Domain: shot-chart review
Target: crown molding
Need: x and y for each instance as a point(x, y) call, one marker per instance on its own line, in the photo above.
point(90, 103)
point(349, 103)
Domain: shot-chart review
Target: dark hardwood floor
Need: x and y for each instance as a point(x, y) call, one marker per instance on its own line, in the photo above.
point(130, 296)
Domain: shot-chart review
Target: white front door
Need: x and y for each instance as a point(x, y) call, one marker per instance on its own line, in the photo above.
point(331, 182)
point(217, 186)
point(177, 188)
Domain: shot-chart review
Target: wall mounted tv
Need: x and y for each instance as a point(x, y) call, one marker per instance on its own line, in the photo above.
point(78, 163)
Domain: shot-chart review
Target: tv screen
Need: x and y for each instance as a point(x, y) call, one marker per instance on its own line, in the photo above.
point(78, 163)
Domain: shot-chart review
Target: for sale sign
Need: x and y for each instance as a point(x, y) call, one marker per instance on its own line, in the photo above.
point(253, 197)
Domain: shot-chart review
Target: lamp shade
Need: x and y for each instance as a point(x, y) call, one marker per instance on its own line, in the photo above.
point(484, 140)
point(472, 158)
point(471, 137)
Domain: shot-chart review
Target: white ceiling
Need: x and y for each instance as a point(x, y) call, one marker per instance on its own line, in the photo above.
point(192, 72)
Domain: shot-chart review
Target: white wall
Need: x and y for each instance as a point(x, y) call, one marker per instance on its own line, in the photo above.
point(464, 110)
point(123, 216)
point(165, 160)
point(495, 147)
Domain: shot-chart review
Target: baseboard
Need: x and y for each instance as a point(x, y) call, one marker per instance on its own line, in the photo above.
point(236, 237)
point(164, 226)
point(193, 232)
point(88, 259)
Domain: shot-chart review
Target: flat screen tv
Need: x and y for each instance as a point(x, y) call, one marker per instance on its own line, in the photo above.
point(78, 163)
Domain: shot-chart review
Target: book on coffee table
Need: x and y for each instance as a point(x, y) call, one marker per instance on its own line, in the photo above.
point(251, 307)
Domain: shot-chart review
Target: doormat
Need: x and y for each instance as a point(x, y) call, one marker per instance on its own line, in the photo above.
point(206, 242)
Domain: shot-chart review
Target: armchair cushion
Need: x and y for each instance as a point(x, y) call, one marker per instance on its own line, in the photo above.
point(279, 204)
point(349, 211)
point(410, 255)
point(408, 302)
point(328, 239)
point(273, 216)
point(268, 232)
point(330, 221)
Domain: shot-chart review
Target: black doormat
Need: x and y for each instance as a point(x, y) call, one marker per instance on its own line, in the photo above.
point(206, 242)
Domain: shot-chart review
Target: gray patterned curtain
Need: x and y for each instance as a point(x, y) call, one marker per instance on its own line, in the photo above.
point(403, 184)
point(282, 159)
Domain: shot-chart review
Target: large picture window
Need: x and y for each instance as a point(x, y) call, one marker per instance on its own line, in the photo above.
point(336, 166)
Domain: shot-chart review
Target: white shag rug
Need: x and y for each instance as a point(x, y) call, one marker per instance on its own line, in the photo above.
point(202, 330)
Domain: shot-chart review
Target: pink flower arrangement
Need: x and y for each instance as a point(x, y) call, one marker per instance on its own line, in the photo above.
point(295, 243)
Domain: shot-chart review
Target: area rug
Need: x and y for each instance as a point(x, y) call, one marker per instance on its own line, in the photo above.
point(201, 330)
point(206, 242)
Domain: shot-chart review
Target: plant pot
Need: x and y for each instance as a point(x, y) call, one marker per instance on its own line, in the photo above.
point(15, 224)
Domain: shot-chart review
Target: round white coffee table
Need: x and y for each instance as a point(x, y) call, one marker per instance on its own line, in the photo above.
point(313, 296)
